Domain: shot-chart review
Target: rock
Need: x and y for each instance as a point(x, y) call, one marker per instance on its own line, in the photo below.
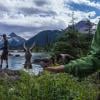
point(17, 55)
point(44, 62)
point(10, 54)
point(3, 74)
point(64, 58)
point(9, 74)
point(13, 78)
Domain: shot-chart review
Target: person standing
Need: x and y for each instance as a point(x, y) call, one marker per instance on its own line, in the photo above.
point(4, 55)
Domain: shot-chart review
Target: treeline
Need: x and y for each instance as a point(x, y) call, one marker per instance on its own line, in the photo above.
point(72, 42)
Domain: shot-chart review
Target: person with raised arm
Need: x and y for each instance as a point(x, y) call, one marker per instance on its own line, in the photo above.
point(28, 56)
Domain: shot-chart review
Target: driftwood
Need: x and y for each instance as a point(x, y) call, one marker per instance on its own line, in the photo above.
point(28, 56)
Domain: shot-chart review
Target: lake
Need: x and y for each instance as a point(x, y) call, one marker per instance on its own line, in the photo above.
point(17, 63)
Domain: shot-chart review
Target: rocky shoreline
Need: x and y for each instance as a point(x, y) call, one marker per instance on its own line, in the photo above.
point(12, 75)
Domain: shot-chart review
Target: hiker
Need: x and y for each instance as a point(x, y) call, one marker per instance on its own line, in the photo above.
point(28, 56)
point(85, 65)
point(4, 55)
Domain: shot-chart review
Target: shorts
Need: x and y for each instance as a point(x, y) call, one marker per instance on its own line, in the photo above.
point(4, 55)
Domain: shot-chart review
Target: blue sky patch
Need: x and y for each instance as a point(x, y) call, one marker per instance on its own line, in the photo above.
point(84, 8)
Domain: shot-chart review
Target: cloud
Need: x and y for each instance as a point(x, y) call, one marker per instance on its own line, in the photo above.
point(33, 11)
point(40, 2)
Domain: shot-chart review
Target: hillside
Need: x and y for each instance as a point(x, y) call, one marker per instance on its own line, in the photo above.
point(44, 38)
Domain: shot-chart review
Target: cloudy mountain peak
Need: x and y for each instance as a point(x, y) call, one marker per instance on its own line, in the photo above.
point(83, 26)
point(13, 34)
point(15, 41)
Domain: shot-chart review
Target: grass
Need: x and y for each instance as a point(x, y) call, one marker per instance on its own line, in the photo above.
point(48, 87)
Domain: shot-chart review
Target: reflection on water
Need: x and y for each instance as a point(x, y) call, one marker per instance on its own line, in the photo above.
point(17, 63)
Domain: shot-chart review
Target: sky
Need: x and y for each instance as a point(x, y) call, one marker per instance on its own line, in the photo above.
point(28, 17)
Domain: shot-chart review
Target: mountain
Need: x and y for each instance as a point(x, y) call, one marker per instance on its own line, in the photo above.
point(83, 26)
point(15, 40)
point(44, 38)
point(49, 36)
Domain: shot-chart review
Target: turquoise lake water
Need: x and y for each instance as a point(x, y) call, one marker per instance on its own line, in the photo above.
point(17, 63)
